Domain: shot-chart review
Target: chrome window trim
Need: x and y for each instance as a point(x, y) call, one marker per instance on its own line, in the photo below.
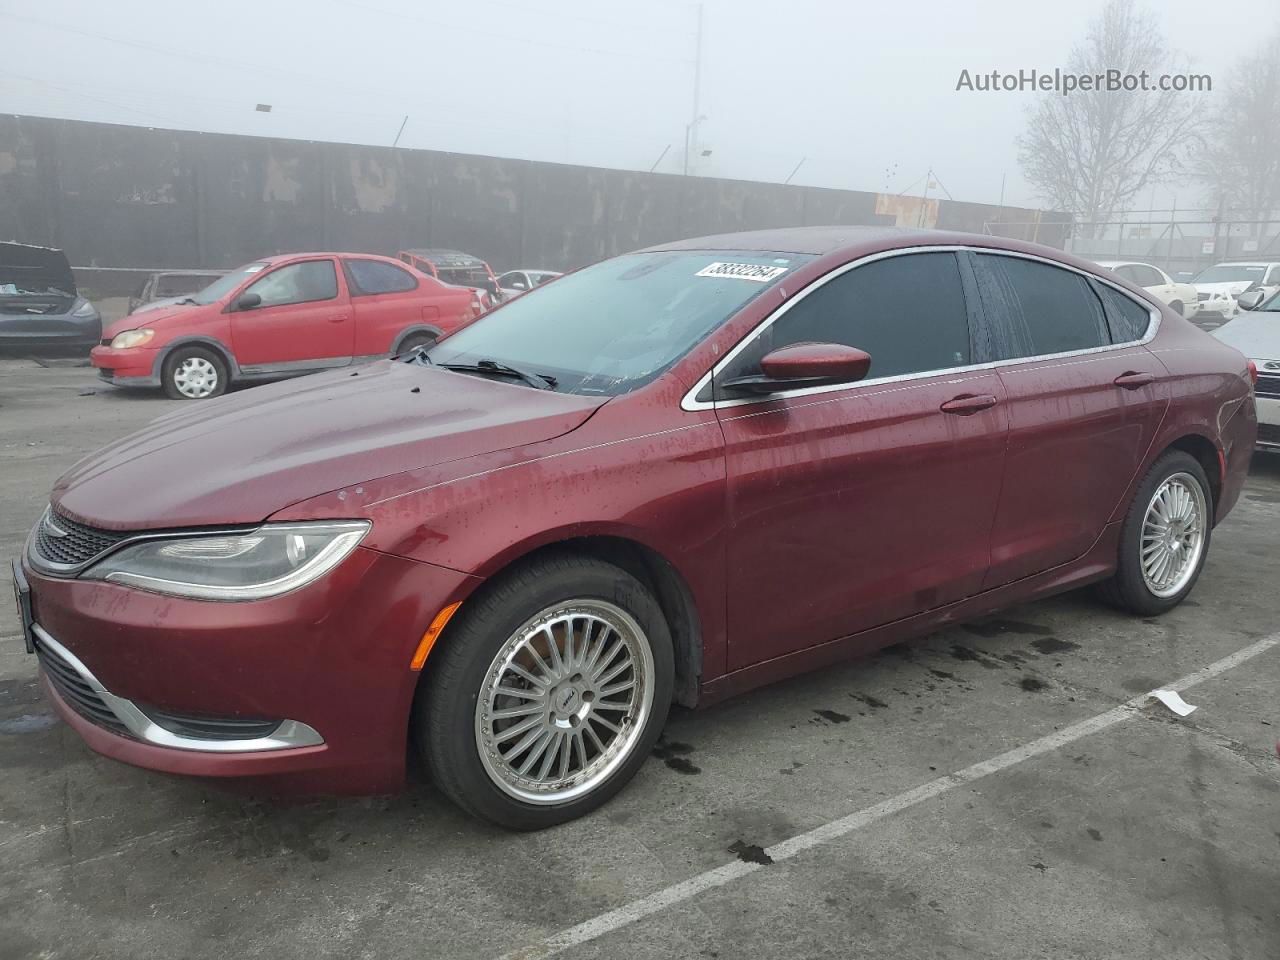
point(690, 404)
point(290, 733)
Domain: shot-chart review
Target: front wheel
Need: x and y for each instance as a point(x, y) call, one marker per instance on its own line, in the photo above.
point(193, 373)
point(549, 693)
point(1165, 537)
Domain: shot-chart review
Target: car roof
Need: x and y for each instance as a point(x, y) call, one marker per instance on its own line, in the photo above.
point(532, 270)
point(848, 242)
point(442, 257)
point(1112, 264)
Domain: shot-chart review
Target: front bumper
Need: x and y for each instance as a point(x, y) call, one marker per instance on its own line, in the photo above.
point(129, 367)
point(332, 657)
point(1217, 308)
point(1268, 423)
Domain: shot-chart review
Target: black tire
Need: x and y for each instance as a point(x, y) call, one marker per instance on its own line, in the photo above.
point(175, 361)
point(445, 713)
point(1128, 589)
point(415, 340)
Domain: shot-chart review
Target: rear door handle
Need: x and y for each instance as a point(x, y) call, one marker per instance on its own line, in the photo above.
point(1132, 380)
point(968, 404)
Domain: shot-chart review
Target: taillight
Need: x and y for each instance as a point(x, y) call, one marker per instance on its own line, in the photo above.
point(1253, 372)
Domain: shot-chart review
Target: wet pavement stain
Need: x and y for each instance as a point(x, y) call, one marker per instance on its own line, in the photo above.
point(1031, 684)
point(942, 674)
point(833, 716)
point(974, 656)
point(874, 702)
point(993, 628)
point(789, 771)
point(1140, 684)
point(1054, 645)
point(750, 852)
point(672, 753)
point(1097, 835)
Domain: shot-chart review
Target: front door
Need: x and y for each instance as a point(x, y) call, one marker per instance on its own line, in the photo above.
point(854, 506)
point(1084, 406)
point(303, 320)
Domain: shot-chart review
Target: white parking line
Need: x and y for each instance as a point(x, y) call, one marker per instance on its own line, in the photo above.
point(687, 889)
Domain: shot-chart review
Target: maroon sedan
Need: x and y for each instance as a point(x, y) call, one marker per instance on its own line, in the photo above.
point(671, 476)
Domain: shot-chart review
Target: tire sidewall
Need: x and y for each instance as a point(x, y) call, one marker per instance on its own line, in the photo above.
point(1130, 582)
point(447, 710)
point(174, 360)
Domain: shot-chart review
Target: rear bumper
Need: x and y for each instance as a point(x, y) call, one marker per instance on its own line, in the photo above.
point(333, 658)
point(47, 331)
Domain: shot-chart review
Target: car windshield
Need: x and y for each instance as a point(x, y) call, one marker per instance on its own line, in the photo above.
point(1271, 305)
point(224, 285)
point(1230, 273)
point(619, 324)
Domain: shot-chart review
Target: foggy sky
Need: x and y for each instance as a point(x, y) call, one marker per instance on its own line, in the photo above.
point(864, 91)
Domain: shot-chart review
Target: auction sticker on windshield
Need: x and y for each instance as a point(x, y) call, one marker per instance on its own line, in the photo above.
point(742, 271)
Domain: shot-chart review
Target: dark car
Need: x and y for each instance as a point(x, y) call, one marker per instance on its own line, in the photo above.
point(671, 476)
point(39, 303)
point(455, 267)
point(169, 287)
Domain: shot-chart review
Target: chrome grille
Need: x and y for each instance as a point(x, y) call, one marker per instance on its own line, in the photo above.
point(65, 543)
point(76, 692)
point(1268, 385)
point(197, 726)
point(1202, 296)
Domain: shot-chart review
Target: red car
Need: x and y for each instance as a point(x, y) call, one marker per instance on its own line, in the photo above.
point(281, 316)
point(671, 476)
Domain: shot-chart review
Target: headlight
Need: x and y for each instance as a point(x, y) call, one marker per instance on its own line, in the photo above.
point(85, 309)
point(254, 565)
point(132, 338)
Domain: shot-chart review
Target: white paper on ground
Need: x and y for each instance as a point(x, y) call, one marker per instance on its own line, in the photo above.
point(1174, 702)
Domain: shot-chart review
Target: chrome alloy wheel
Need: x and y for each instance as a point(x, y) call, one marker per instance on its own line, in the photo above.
point(565, 701)
point(196, 378)
point(1173, 533)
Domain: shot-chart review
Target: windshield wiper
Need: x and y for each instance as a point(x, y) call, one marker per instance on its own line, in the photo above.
point(538, 380)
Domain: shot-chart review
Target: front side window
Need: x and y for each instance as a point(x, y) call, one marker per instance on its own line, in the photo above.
point(374, 276)
point(513, 281)
point(612, 327)
point(303, 282)
point(907, 312)
point(224, 285)
point(1034, 309)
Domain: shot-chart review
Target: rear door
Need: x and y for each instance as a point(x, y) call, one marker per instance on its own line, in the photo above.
point(303, 322)
point(387, 300)
point(1084, 405)
point(855, 505)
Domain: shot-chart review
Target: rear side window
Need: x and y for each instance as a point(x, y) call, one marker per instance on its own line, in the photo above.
point(374, 276)
point(1034, 309)
point(297, 283)
point(1129, 319)
point(1145, 276)
point(908, 312)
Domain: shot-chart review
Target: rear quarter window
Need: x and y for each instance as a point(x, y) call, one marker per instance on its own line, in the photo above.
point(1129, 320)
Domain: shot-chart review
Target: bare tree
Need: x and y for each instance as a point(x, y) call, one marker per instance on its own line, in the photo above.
point(1093, 151)
point(1240, 160)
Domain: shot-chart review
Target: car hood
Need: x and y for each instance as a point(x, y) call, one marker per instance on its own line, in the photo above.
point(165, 303)
point(244, 457)
point(1255, 333)
point(153, 315)
point(37, 268)
point(1232, 287)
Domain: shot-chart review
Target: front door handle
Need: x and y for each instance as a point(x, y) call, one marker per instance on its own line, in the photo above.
point(968, 404)
point(338, 318)
point(1133, 380)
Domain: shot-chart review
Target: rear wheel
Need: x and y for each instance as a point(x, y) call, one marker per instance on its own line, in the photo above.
point(1165, 537)
point(549, 693)
point(193, 373)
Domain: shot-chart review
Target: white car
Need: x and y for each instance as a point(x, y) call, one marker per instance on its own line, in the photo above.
point(515, 282)
point(1255, 332)
point(1219, 285)
point(1180, 296)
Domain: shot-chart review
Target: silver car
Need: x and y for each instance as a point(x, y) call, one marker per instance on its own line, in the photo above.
point(1255, 332)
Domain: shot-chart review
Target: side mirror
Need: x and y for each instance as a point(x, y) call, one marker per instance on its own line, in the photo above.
point(805, 365)
point(247, 301)
point(1249, 300)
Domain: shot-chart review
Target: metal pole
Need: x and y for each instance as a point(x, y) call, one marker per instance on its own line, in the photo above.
point(795, 171)
point(691, 131)
point(396, 141)
point(660, 156)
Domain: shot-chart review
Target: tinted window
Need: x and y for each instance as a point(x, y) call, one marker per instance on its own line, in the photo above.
point(1035, 309)
point(1129, 319)
point(374, 276)
point(297, 283)
point(907, 312)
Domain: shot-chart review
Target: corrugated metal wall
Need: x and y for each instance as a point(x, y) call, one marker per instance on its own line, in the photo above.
point(117, 196)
